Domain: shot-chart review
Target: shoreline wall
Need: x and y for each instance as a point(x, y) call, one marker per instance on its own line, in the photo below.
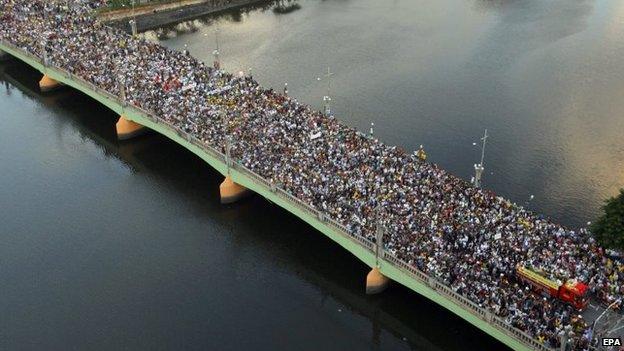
point(172, 14)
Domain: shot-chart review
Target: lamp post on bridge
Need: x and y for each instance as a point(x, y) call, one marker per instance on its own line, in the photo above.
point(44, 52)
point(479, 168)
point(228, 153)
point(379, 234)
point(327, 98)
point(133, 27)
point(121, 85)
point(217, 63)
point(228, 143)
point(132, 22)
point(564, 338)
point(44, 40)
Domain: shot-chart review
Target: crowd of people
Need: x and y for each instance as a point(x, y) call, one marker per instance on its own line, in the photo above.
point(468, 238)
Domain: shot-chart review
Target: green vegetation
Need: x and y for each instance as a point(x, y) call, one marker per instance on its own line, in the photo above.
point(609, 228)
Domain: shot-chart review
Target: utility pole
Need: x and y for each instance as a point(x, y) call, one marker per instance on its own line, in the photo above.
point(44, 47)
point(122, 88)
point(228, 141)
point(327, 98)
point(44, 39)
point(133, 24)
point(563, 341)
point(564, 338)
point(479, 167)
point(217, 63)
point(379, 233)
point(228, 153)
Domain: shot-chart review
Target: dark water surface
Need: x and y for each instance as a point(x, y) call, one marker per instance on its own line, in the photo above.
point(108, 245)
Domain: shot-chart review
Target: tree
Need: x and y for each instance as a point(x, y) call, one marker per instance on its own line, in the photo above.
point(609, 228)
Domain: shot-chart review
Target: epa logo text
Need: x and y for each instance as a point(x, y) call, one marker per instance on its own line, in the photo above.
point(611, 342)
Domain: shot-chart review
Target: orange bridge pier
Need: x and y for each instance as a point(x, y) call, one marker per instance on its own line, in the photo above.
point(232, 192)
point(127, 129)
point(47, 84)
point(376, 282)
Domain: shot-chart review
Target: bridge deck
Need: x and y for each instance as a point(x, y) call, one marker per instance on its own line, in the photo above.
point(360, 247)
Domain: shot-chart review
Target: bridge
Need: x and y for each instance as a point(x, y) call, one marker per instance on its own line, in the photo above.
point(240, 180)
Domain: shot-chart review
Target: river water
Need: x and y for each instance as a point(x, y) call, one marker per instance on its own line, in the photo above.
point(109, 245)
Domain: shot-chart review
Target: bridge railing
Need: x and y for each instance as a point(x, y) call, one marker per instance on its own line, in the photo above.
point(410, 270)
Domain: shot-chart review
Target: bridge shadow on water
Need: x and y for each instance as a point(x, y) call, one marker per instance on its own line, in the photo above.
point(255, 222)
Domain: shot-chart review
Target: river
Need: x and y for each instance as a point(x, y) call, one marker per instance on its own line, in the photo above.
point(111, 245)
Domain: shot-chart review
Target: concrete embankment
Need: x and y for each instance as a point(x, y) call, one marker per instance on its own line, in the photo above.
point(154, 16)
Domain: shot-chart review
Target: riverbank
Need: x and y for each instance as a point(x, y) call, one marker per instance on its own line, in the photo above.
point(162, 14)
point(123, 11)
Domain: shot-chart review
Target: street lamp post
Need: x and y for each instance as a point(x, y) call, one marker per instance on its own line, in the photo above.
point(217, 63)
point(44, 49)
point(133, 24)
point(122, 88)
point(133, 27)
point(479, 168)
point(563, 342)
point(327, 98)
point(228, 141)
point(379, 246)
point(379, 233)
point(228, 153)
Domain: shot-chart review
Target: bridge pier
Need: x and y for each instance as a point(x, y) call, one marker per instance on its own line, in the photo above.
point(232, 192)
point(376, 282)
point(127, 129)
point(47, 84)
